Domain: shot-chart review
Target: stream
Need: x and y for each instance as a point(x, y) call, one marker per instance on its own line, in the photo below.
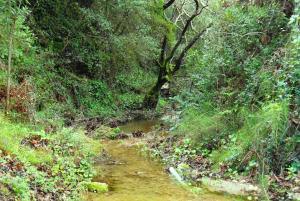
point(132, 176)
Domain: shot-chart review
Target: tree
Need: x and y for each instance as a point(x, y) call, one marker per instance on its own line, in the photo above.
point(171, 58)
point(16, 45)
point(12, 28)
point(96, 38)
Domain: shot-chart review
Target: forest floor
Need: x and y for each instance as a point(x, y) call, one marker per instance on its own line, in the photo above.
point(176, 152)
point(43, 162)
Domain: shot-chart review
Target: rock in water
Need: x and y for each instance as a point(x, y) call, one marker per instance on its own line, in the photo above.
point(97, 187)
point(230, 187)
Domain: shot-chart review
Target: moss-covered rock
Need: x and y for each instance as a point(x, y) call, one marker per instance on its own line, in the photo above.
point(97, 187)
point(106, 132)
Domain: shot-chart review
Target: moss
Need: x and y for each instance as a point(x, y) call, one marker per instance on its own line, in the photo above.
point(97, 187)
point(106, 132)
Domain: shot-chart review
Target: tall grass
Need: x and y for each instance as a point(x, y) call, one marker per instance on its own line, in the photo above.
point(261, 138)
point(206, 127)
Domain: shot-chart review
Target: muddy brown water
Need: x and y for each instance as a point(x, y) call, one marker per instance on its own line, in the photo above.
point(132, 176)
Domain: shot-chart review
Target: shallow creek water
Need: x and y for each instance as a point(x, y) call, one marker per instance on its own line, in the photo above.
point(131, 176)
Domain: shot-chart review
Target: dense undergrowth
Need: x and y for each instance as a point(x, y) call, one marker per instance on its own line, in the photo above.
point(44, 163)
point(55, 81)
point(60, 78)
point(255, 103)
point(240, 107)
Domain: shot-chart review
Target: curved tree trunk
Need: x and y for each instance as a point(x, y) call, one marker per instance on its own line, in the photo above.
point(152, 97)
point(171, 59)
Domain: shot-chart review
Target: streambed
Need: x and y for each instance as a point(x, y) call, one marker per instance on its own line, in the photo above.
point(132, 176)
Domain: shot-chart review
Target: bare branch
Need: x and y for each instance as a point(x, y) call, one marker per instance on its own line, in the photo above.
point(197, 12)
point(168, 4)
point(188, 47)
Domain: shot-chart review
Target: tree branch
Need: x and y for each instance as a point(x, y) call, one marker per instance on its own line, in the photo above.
point(188, 47)
point(168, 4)
point(163, 51)
point(197, 12)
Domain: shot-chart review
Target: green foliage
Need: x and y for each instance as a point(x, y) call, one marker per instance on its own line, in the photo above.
point(206, 128)
point(95, 58)
point(293, 60)
point(241, 86)
point(18, 185)
point(62, 93)
point(24, 49)
point(230, 66)
point(106, 132)
point(162, 104)
point(261, 138)
point(94, 38)
point(12, 135)
point(57, 169)
point(135, 78)
point(77, 54)
point(294, 169)
point(96, 97)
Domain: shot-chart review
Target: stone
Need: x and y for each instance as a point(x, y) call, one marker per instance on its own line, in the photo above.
point(97, 187)
point(230, 187)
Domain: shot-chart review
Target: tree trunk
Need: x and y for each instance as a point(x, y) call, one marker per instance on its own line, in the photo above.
point(9, 66)
point(151, 99)
point(170, 60)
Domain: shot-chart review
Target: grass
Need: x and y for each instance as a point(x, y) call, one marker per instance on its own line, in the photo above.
point(205, 127)
point(261, 133)
point(11, 136)
point(58, 169)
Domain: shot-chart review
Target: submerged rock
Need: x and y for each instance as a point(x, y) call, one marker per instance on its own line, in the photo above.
point(230, 187)
point(97, 187)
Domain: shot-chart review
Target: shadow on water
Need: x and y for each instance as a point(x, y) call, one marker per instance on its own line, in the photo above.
point(134, 177)
point(140, 125)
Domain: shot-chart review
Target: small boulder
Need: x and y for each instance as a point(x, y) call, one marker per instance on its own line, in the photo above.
point(230, 187)
point(97, 187)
